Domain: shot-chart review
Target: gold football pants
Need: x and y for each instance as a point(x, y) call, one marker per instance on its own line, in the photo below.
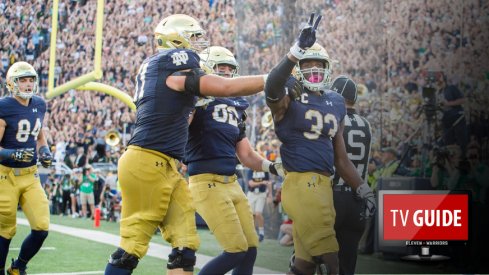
point(224, 207)
point(308, 200)
point(154, 194)
point(22, 185)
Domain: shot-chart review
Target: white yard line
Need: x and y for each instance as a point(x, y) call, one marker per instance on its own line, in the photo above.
point(155, 250)
point(42, 248)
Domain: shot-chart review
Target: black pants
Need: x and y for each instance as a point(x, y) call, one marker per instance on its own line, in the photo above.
point(66, 201)
point(349, 227)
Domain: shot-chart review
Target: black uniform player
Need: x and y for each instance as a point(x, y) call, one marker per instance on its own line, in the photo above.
point(350, 223)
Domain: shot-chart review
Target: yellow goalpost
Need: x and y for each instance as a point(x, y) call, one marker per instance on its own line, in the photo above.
point(84, 82)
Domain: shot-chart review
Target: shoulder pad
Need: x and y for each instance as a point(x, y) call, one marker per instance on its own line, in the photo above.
point(180, 59)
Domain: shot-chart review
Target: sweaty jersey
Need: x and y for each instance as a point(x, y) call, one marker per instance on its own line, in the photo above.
point(357, 136)
point(306, 131)
point(162, 113)
point(213, 135)
point(24, 123)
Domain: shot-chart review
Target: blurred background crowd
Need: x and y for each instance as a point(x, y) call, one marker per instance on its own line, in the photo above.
point(388, 47)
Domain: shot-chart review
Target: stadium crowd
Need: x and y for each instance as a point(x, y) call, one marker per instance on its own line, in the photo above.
point(390, 54)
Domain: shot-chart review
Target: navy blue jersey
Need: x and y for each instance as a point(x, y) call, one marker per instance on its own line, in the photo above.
point(213, 135)
point(258, 176)
point(24, 123)
point(306, 132)
point(162, 113)
point(357, 136)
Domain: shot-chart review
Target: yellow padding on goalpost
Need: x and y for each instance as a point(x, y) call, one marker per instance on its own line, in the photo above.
point(83, 82)
point(100, 87)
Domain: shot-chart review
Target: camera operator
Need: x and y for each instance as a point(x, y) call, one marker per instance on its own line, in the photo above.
point(451, 101)
point(449, 171)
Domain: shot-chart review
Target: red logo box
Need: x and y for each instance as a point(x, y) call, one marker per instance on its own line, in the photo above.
point(425, 217)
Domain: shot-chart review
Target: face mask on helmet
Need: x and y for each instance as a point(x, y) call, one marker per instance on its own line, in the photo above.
point(221, 60)
point(17, 72)
point(180, 31)
point(314, 69)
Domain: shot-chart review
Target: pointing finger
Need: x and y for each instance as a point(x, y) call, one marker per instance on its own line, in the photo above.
point(317, 22)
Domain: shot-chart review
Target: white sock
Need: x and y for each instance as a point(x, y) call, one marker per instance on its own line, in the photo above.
point(261, 230)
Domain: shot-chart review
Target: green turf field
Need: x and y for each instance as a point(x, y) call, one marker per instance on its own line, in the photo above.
point(67, 254)
point(270, 254)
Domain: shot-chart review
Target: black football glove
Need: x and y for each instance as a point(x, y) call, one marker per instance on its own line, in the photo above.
point(306, 38)
point(23, 154)
point(45, 157)
point(365, 192)
point(276, 168)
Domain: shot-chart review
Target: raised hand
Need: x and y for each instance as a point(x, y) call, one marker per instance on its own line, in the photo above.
point(307, 37)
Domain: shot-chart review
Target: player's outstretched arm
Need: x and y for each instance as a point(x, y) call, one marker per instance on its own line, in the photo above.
point(198, 83)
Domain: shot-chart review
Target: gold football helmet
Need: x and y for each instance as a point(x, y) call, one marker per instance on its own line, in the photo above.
point(216, 55)
point(180, 31)
point(315, 79)
point(19, 70)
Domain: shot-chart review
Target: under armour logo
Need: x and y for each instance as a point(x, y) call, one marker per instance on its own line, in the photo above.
point(3, 177)
point(179, 58)
point(34, 110)
point(160, 163)
point(311, 184)
point(18, 155)
point(211, 185)
point(329, 103)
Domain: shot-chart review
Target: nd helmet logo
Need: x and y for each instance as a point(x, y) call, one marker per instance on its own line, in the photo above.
point(179, 58)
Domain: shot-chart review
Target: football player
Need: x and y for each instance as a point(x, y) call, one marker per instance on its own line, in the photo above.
point(155, 194)
point(216, 136)
point(21, 135)
point(350, 224)
point(309, 122)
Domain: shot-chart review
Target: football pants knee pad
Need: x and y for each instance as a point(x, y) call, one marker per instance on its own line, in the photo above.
point(120, 258)
point(181, 258)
